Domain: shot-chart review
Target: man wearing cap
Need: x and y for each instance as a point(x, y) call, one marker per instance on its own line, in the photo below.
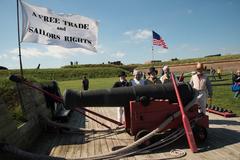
point(137, 80)
point(121, 83)
point(152, 77)
point(202, 84)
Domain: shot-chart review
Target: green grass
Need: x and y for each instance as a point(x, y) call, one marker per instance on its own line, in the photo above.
point(96, 83)
point(223, 96)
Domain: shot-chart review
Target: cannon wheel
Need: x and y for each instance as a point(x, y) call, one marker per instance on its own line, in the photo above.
point(141, 134)
point(200, 133)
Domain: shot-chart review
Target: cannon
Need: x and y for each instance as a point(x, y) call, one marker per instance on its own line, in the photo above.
point(123, 95)
point(140, 117)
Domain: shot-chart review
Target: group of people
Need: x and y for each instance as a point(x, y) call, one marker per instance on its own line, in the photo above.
point(139, 79)
point(199, 82)
point(213, 72)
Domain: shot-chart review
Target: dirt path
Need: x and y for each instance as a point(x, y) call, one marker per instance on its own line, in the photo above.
point(225, 65)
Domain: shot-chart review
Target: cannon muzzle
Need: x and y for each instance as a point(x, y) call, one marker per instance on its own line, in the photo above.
point(122, 95)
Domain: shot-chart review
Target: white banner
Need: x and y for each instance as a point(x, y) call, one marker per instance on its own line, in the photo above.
point(41, 25)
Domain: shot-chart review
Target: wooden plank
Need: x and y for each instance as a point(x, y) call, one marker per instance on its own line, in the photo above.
point(234, 148)
point(118, 138)
point(71, 147)
point(90, 144)
point(220, 148)
point(64, 146)
point(103, 138)
point(97, 141)
point(78, 140)
point(58, 149)
point(84, 146)
point(224, 144)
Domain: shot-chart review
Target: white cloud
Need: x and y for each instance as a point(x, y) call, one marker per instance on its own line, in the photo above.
point(118, 54)
point(31, 54)
point(140, 34)
point(48, 51)
point(60, 52)
point(26, 52)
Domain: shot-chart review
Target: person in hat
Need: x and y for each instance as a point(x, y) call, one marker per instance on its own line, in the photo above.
point(236, 84)
point(138, 78)
point(122, 80)
point(166, 75)
point(121, 83)
point(152, 77)
point(202, 85)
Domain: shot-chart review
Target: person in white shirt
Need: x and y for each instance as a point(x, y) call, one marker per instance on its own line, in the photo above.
point(202, 85)
point(166, 75)
point(122, 82)
point(138, 78)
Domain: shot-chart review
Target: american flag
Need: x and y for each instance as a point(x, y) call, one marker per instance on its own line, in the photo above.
point(158, 40)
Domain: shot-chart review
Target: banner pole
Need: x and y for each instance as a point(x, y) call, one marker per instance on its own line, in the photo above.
point(19, 44)
point(152, 55)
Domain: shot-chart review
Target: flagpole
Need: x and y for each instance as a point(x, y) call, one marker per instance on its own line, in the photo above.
point(152, 54)
point(19, 44)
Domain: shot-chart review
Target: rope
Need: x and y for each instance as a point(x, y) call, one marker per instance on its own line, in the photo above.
point(75, 129)
point(178, 153)
point(157, 145)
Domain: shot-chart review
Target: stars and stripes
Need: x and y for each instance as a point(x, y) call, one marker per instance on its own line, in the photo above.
point(158, 40)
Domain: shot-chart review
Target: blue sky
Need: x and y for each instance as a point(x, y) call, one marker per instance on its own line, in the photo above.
point(191, 28)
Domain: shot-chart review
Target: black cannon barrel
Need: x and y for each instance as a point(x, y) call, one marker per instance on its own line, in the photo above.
point(122, 95)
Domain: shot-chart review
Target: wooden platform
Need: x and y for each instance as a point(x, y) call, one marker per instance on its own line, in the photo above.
point(223, 141)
